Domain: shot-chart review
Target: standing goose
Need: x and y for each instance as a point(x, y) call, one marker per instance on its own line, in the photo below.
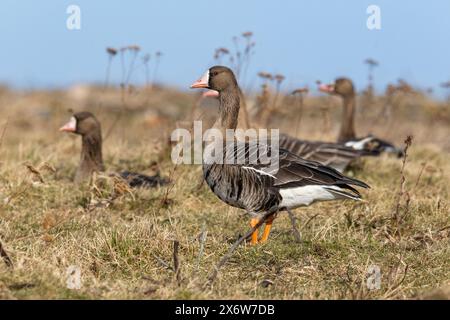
point(335, 155)
point(344, 88)
point(91, 160)
point(254, 186)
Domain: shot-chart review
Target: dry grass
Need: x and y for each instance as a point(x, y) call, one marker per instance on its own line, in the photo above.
point(162, 244)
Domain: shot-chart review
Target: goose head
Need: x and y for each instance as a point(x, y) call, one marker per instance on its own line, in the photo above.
point(82, 123)
point(342, 87)
point(217, 78)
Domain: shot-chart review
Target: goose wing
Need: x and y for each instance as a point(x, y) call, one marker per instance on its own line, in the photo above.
point(375, 145)
point(335, 155)
point(287, 170)
point(139, 180)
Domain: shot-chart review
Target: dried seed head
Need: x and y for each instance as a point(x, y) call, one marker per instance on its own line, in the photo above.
point(265, 75)
point(300, 90)
point(408, 140)
point(247, 34)
point(279, 78)
point(223, 50)
point(111, 51)
point(134, 47)
point(371, 62)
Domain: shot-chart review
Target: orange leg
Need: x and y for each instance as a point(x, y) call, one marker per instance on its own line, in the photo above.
point(253, 223)
point(267, 228)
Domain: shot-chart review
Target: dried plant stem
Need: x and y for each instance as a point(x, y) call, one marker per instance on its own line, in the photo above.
point(176, 261)
point(238, 242)
point(155, 70)
point(108, 70)
point(202, 239)
point(295, 231)
point(4, 131)
point(131, 68)
point(168, 189)
point(5, 256)
point(420, 175)
point(119, 114)
point(300, 113)
point(397, 217)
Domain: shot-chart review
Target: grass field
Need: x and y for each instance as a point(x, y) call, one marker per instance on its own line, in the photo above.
point(122, 240)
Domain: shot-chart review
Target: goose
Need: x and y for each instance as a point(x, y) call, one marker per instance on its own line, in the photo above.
point(254, 186)
point(335, 155)
point(91, 159)
point(344, 88)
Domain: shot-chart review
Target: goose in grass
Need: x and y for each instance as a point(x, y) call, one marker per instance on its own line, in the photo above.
point(256, 186)
point(344, 88)
point(88, 127)
point(335, 155)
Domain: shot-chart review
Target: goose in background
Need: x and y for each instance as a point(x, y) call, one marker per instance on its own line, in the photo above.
point(344, 88)
point(254, 185)
point(91, 159)
point(335, 155)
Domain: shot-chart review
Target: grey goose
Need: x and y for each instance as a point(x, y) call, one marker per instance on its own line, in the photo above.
point(256, 187)
point(344, 88)
point(91, 159)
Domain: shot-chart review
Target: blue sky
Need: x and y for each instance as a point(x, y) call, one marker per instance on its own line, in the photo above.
point(304, 40)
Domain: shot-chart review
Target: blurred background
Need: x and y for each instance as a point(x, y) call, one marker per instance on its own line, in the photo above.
point(302, 40)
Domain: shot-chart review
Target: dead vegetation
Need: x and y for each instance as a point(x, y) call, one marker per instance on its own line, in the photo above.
point(164, 243)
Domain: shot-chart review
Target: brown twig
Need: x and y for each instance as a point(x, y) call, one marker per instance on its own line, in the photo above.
point(202, 240)
point(176, 261)
point(309, 220)
point(295, 231)
point(5, 256)
point(119, 114)
point(3, 132)
point(402, 192)
point(230, 252)
point(169, 188)
point(420, 175)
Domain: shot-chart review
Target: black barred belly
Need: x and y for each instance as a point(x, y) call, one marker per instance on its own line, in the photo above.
point(241, 188)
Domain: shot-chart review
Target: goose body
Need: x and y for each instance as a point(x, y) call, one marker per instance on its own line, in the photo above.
point(373, 145)
point(344, 88)
point(335, 155)
point(91, 158)
point(257, 186)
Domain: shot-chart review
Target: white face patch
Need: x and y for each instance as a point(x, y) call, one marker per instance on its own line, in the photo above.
point(70, 126)
point(203, 82)
point(205, 77)
point(72, 123)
